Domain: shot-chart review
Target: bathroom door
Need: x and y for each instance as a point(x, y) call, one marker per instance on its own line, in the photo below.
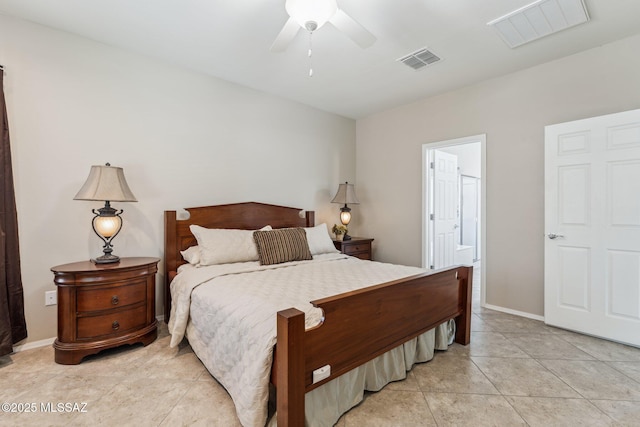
point(469, 213)
point(445, 209)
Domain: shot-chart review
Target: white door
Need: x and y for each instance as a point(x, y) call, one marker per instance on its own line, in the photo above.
point(592, 221)
point(445, 215)
point(469, 213)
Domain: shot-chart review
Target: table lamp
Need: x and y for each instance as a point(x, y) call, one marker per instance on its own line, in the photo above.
point(106, 183)
point(346, 194)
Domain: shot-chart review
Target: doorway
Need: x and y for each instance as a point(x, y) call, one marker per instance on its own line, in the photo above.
point(454, 206)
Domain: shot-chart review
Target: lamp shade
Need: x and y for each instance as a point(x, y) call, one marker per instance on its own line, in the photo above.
point(346, 195)
point(106, 183)
point(318, 11)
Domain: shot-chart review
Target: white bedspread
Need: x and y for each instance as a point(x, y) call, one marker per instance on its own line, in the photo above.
point(233, 307)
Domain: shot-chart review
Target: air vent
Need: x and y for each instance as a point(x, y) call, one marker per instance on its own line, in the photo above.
point(420, 58)
point(539, 19)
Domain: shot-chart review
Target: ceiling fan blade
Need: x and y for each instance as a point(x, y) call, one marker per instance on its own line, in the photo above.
point(287, 34)
point(352, 29)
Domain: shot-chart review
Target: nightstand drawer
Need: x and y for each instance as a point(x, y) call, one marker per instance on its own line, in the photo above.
point(111, 323)
point(109, 298)
point(357, 249)
point(362, 255)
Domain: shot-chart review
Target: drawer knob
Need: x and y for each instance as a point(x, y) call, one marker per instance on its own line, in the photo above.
point(115, 325)
point(115, 300)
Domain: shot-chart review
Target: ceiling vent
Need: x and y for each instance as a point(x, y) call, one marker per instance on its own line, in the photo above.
point(419, 59)
point(539, 19)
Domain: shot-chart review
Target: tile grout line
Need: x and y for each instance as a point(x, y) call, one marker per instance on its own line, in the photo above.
point(177, 401)
point(609, 364)
point(537, 361)
point(504, 397)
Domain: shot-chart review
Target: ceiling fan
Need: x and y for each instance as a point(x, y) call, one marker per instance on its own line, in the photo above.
point(313, 14)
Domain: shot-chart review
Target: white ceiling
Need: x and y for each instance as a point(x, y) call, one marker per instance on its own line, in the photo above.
point(230, 39)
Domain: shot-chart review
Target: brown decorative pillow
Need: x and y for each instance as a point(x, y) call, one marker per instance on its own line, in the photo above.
point(282, 245)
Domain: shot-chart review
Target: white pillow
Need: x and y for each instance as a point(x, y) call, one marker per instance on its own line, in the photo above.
point(222, 246)
point(191, 255)
point(319, 240)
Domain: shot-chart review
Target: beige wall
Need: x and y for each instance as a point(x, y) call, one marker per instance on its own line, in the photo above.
point(184, 139)
point(512, 111)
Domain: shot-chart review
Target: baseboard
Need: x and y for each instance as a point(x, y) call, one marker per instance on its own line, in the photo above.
point(32, 345)
point(49, 341)
point(514, 312)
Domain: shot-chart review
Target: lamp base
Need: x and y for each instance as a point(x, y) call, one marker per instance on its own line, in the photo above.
point(106, 259)
point(346, 237)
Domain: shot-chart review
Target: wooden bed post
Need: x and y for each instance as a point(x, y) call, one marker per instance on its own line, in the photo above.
point(463, 322)
point(290, 389)
point(310, 217)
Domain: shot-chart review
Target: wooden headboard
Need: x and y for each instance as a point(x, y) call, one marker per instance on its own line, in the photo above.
point(244, 216)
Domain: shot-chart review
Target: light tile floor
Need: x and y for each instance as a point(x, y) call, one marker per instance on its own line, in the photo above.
point(515, 372)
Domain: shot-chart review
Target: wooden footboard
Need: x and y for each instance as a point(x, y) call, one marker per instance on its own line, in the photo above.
point(361, 325)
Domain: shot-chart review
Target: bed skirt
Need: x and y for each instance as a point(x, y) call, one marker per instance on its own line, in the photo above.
point(327, 403)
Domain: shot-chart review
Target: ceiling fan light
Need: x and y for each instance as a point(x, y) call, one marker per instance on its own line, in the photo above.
point(318, 11)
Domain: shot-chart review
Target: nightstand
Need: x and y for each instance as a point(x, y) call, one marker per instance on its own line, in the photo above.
point(102, 306)
point(359, 247)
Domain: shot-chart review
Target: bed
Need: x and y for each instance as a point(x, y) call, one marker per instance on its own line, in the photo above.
point(352, 330)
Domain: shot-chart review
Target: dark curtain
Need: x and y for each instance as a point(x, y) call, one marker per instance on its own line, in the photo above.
point(13, 327)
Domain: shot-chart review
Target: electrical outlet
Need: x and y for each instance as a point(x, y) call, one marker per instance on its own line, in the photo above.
point(321, 373)
point(50, 298)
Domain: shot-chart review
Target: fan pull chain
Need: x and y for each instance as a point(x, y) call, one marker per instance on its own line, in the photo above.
point(310, 53)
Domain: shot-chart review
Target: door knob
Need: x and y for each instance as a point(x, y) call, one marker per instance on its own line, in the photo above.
point(554, 236)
